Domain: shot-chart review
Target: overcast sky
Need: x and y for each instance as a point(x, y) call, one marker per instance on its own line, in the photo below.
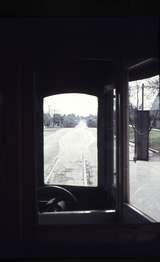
point(78, 104)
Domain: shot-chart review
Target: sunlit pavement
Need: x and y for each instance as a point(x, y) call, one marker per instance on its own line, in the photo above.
point(70, 156)
point(144, 183)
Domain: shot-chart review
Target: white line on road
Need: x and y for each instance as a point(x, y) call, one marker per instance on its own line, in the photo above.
point(57, 159)
point(51, 172)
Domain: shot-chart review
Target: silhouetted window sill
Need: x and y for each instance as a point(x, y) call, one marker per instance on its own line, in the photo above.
point(77, 217)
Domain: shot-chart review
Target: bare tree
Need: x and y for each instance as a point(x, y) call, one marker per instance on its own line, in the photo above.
point(142, 91)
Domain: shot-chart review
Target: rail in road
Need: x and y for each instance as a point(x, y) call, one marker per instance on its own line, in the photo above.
point(85, 171)
point(70, 156)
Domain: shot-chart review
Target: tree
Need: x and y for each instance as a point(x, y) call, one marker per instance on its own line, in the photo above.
point(70, 120)
point(46, 119)
point(142, 121)
point(92, 121)
point(146, 90)
point(57, 120)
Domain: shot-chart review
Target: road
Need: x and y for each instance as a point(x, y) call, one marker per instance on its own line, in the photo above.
point(144, 181)
point(70, 156)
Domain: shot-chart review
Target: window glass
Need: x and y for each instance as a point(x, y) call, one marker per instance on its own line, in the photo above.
point(70, 139)
point(144, 146)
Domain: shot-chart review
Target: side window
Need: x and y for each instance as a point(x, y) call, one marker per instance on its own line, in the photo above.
point(144, 146)
point(70, 139)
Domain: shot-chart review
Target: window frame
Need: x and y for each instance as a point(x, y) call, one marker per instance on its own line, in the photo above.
point(121, 195)
point(141, 70)
point(36, 87)
point(101, 118)
point(82, 217)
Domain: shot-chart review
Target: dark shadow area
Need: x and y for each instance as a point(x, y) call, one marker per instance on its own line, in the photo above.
point(43, 56)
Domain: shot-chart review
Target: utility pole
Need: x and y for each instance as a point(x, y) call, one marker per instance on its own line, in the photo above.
point(49, 110)
point(54, 118)
point(135, 134)
point(137, 96)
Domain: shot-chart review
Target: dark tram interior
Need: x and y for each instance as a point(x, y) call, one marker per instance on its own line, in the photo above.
point(43, 56)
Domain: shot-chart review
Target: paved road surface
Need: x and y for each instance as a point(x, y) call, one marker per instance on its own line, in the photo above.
point(70, 156)
point(145, 184)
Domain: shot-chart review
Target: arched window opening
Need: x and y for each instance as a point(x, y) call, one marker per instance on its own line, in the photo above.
point(70, 139)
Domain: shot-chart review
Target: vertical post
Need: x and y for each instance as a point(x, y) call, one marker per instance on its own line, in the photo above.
point(50, 120)
point(29, 152)
point(137, 97)
point(54, 118)
point(121, 80)
point(108, 136)
point(142, 97)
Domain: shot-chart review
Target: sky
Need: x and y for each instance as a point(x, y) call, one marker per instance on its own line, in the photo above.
point(78, 104)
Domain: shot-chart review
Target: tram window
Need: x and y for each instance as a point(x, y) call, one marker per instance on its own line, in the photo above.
point(70, 139)
point(144, 146)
